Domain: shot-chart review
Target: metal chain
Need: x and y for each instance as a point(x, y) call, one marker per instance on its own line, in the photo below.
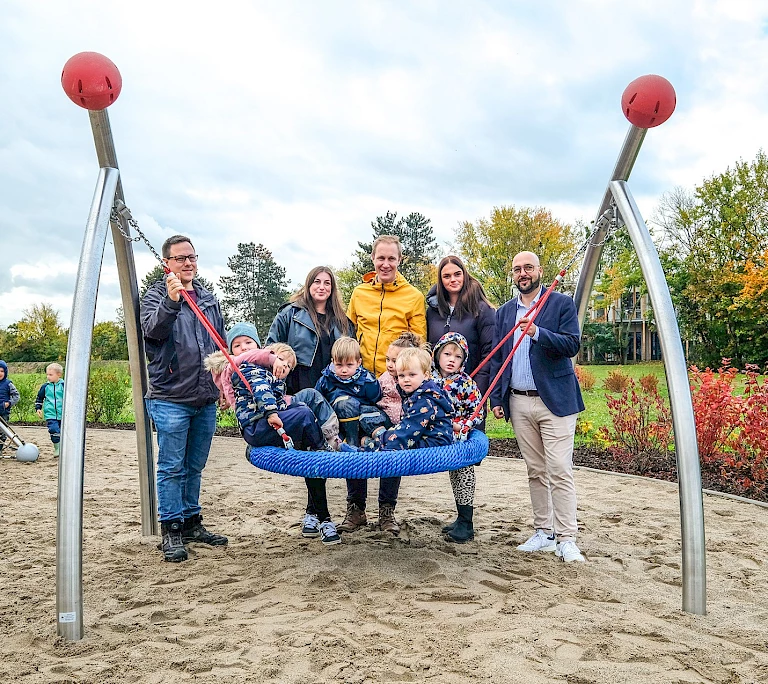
point(608, 220)
point(121, 212)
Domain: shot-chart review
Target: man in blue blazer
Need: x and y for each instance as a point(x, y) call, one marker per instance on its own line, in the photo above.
point(540, 394)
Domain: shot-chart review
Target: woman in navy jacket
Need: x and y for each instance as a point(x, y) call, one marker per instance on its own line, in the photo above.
point(458, 304)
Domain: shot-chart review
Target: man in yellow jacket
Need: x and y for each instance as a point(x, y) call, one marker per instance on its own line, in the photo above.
point(385, 305)
point(382, 307)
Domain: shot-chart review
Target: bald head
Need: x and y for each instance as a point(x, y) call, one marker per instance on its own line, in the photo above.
point(526, 272)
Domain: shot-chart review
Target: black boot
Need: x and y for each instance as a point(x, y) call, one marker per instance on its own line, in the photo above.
point(172, 545)
point(450, 526)
point(195, 532)
point(463, 531)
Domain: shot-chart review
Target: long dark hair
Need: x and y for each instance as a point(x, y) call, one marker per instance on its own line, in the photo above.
point(334, 309)
point(471, 294)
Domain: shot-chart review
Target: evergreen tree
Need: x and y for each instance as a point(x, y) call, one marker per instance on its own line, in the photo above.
point(419, 247)
point(256, 288)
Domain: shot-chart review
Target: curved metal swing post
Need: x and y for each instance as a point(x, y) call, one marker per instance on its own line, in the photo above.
point(626, 160)
point(126, 270)
point(686, 446)
point(69, 520)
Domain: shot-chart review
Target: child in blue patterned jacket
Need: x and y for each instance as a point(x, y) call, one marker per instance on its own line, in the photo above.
point(450, 357)
point(262, 408)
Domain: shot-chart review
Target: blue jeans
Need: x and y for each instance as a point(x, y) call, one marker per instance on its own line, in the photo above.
point(184, 435)
point(54, 429)
point(326, 418)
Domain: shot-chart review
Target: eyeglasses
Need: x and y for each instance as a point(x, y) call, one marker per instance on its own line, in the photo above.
point(528, 268)
point(181, 259)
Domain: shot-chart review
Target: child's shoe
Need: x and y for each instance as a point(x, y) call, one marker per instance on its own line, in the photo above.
point(56, 449)
point(328, 534)
point(311, 526)
point(348, 447)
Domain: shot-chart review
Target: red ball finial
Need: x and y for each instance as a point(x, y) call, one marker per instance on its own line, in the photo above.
point(648, 101)
point(91, 80)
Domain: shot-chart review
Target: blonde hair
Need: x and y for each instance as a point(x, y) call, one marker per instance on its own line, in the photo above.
point(388, 240)
point(284, 350)
point(345, 349)
point(413, 356)
point(55, 367)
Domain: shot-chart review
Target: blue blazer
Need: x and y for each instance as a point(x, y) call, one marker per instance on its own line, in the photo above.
point(559, 341)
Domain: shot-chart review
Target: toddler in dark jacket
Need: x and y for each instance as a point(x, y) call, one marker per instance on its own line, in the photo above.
point(427, 409)
point(352, 391)
point(9, 397)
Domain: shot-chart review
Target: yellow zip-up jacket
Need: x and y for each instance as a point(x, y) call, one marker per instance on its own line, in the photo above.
point(381, 312)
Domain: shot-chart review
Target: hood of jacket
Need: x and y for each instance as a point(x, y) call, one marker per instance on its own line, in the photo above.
point(4, 366)
point(432, 298)
point(451, 338)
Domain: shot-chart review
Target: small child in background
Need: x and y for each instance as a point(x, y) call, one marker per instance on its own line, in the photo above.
point(352, 391)
point(262, 407)
point(391, 401)
point(50, 403)
point(9, 397)
point(449, 360)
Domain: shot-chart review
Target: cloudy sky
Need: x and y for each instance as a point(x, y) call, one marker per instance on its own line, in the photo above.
point(295, 123)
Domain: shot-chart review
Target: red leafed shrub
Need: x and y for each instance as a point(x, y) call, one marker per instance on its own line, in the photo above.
point(732, 430)
point(616, 381)
point(649, 383)
point(585, 377)
point(641, 424)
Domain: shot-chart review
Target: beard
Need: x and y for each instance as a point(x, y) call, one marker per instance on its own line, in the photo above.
point(530, 287)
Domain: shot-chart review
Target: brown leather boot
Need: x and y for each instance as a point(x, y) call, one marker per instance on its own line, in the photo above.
point(387, 522)
point(354, 519)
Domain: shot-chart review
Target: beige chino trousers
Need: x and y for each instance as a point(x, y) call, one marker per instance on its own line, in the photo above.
point(546, 443)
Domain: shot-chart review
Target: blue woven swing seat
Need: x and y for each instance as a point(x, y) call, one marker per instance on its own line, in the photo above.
point(367, 464)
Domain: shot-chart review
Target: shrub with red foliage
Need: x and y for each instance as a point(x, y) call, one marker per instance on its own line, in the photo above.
point(641, 424)
point(616, 381)
point(649, 382)
point(732, 430)
point(585, 377)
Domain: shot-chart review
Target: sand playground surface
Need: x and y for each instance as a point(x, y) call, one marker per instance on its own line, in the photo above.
point(273, 607)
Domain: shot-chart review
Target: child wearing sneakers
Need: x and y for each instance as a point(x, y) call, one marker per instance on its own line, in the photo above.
point(9, 397)
point(50, 403)
point(352, 391)
point(391, 402)
point(449, 359)
point(262, 408)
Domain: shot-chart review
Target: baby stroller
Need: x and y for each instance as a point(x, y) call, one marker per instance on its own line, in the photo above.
point(23, 451)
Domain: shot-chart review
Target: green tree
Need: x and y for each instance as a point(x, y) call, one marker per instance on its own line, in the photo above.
point(109, 342)
point(488, 246)
point(256, 288)
point(420, 248)
point(715, 237)
point(347, 278)
point(38, 336)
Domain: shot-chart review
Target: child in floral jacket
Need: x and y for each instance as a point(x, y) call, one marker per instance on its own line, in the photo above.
point(449, 360)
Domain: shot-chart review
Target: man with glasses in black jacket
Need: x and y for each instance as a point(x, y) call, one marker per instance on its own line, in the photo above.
point(181, 399)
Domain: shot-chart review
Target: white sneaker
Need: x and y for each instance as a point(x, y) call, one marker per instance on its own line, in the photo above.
point(540, 541)
point(569, 552)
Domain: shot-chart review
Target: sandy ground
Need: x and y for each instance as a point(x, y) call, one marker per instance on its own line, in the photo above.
point(273, 607)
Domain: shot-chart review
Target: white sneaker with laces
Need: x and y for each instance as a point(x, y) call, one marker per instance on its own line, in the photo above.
point(310, 528)
point(328, 533)
point(540, 541)
point(569, 552)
